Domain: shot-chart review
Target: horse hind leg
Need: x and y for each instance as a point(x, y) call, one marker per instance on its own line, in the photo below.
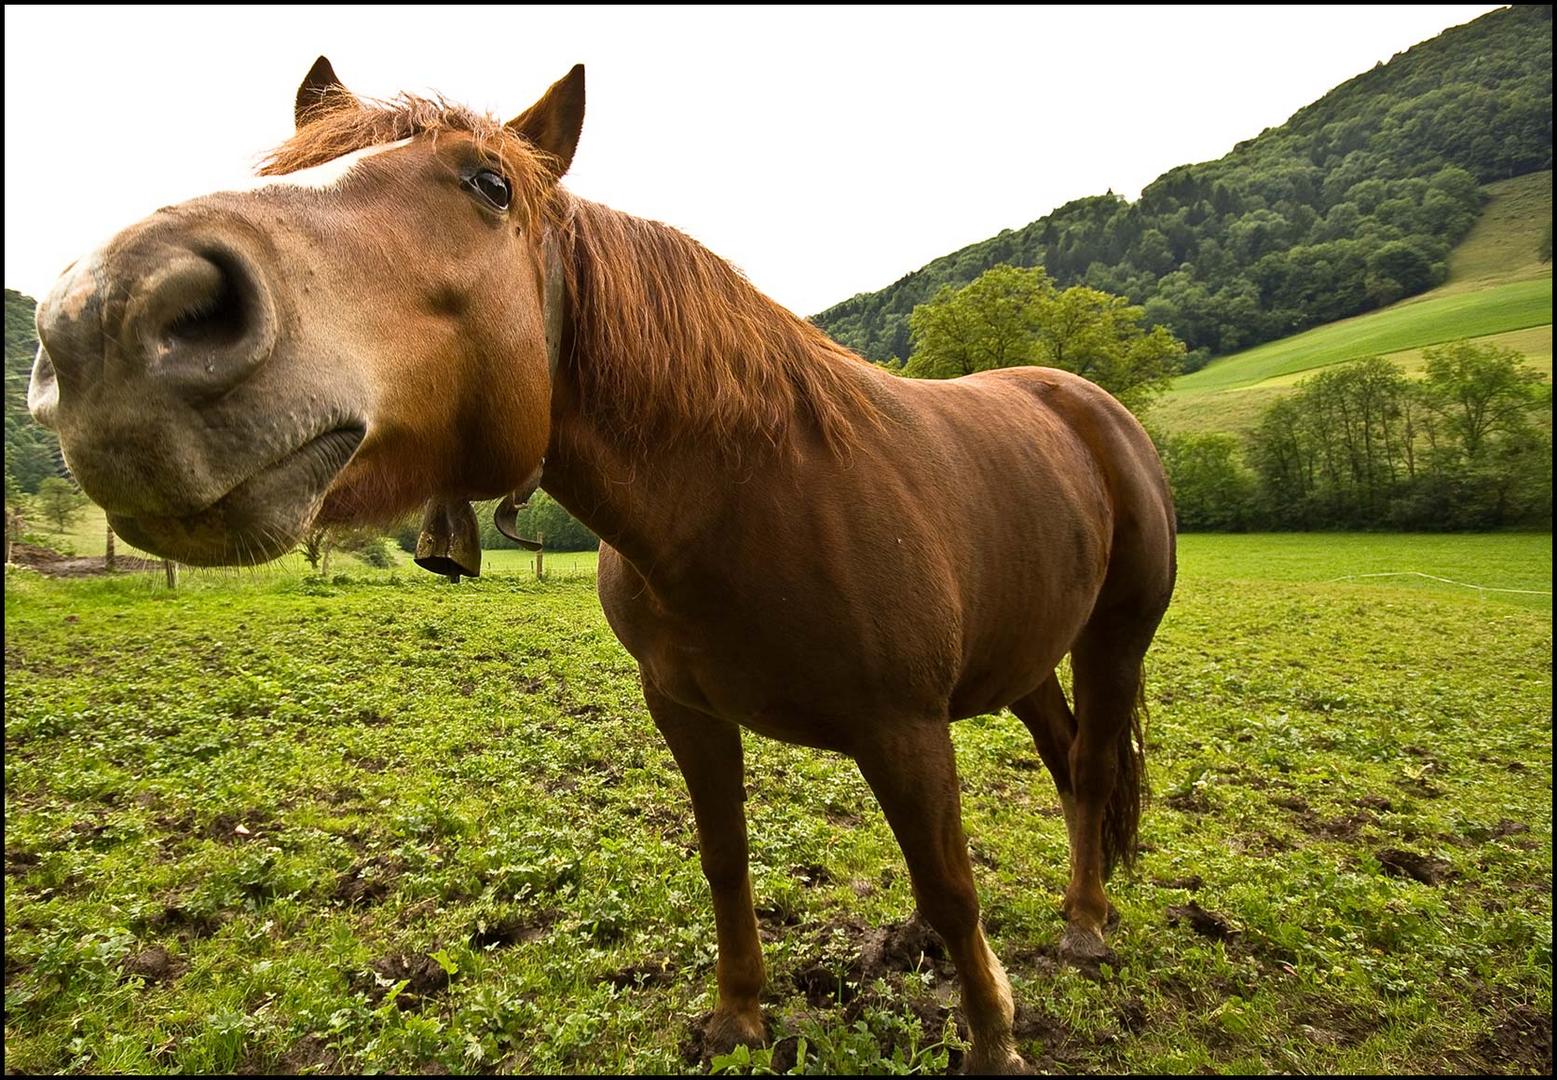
point(913, 772)
point(1107, 774)
point(1052, 725)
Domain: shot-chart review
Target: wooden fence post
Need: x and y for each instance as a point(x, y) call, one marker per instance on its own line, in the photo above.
point(171, 569)
point(540, 565)
point(109, 558)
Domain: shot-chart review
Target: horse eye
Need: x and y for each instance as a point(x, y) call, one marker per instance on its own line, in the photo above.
point(491, 187)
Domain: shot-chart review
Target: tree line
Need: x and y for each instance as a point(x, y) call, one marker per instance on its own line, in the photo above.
point(1359, 445)
point(1008, 317)
point(1352, 204)
point(1362, 445)
point(31, 451)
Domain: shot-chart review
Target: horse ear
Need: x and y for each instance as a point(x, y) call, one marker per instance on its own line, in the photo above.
point(321, 92)
point(553, 123)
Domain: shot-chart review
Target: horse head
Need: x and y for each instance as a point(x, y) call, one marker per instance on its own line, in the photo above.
point(374, 326)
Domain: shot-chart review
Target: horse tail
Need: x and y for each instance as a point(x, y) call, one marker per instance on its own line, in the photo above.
point(1122, 812)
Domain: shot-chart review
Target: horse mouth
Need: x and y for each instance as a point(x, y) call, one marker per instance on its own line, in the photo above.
point(261, 518)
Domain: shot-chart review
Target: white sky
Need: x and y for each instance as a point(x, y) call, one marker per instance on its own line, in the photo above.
point(824, 151)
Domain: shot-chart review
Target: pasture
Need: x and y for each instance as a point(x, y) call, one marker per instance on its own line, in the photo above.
point(272, 823)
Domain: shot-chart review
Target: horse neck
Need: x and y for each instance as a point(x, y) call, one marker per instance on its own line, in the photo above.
point(650, 480)
point(647, 502)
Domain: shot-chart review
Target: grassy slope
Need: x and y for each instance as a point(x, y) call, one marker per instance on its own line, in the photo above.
point(1497, 291)
point(470, 771)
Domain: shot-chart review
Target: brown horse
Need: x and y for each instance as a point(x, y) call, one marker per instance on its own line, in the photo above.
point(795, 541)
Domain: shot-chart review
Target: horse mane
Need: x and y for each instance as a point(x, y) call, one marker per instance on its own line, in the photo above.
point(666, 334)
point(669, 336)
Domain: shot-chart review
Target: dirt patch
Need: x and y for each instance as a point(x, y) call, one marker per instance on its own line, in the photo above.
point(1191, 883)
point(176, 916)
point(18, 861)
point(930, 1012)
point(422, 975)
point(912, 945)
point(53, 564)
point(1419, 785)
point(309, 1054)
point(823, 987)
point(1427, 869)
point(369, 881)
point(1520, 1042)
point(811, 875)
point(1503, 829)
point(908, 946)
point(237, 828)
point(1205, 923)
point(1375, 802)
point(1189, 802)
point(513, 929)
point(786, 1054)
point(155, 964)
point(371, 763)
point(1132, 1016)
point(344, 795)
point(1296, 803)
point(1343, 828)
point(655, 972)
point(1041, 961)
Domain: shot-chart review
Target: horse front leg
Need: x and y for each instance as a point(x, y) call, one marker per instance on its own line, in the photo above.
point(708, 752)
point(913, 771)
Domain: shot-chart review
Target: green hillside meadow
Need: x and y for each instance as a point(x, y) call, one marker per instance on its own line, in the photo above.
point(1498, 291)
point(1354, 202)
point(388, 824)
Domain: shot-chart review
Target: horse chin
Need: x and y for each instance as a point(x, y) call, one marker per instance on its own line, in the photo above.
point(261, 519)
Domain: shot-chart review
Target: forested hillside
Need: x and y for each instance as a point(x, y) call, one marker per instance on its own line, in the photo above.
point(31, 452)
point(1352, 204)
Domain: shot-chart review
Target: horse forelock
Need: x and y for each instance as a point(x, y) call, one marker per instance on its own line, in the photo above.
point(374, 123)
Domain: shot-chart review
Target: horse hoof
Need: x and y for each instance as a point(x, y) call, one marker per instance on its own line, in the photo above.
point(1084, 948)
point(724, 1031)
point(1006, 1063)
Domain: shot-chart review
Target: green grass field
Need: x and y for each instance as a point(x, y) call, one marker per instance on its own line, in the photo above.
point(1497, 292)
point(268, 823)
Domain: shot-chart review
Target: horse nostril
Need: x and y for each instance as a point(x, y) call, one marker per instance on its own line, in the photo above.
point(202, 315)
point(197, 306)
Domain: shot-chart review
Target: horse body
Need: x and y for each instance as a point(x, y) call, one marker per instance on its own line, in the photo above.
point(794, 541)
point(941, 569)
